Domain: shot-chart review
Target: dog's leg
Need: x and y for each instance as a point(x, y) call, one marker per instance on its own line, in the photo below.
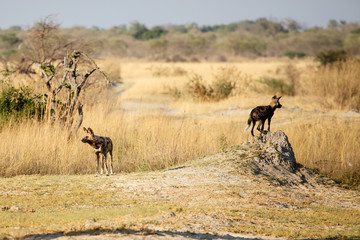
point(262, 127)
point(111, 163)
point(102, 164)
point(261, 123)
point(106, 164)
point(97, 164)
point(269, 121)
point(252, 129)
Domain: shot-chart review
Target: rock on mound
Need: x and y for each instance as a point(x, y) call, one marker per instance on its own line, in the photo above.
point(271, 155)
point(277, 149)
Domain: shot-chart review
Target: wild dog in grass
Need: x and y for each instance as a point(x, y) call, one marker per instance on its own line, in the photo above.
point(102, 145)
point(261, 113)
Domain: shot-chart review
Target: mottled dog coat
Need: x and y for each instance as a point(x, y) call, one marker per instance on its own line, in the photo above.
point(102, 145)
point(261, 113)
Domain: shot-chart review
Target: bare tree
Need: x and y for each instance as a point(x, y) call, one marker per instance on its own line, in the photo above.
point(65, 72)
point(44, 45)
point(65, 83)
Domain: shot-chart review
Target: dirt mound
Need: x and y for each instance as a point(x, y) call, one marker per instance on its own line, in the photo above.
point(278, 150)
point(271, 155)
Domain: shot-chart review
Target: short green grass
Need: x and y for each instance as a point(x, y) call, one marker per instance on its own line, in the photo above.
point(317, 222)
point(53, 204)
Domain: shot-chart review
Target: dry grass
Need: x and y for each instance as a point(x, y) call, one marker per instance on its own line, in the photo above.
point(329, 145)
point(40, 148)
point(146, 82)
point(149, 139)
point(145, 140)
point(338, 85)
point(141, 143)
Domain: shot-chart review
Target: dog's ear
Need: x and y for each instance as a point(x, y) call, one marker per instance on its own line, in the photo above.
point(85, 129)
point(274, 97)
point(90, 131)
point(279, 97)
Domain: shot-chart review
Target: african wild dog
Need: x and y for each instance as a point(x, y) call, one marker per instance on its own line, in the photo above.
point(102, 145)
point(261, 113)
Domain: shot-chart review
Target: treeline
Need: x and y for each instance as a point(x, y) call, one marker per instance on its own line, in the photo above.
point(191, 42)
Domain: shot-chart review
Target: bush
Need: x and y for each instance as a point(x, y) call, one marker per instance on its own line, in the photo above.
point(161, 71)
point(226, 81)
point(19, 102)
point(197, 89)
point(223, 85)
point(328, 57)
point(279, 86)
point(292, 54)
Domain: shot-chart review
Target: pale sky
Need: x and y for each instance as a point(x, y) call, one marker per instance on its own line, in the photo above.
point(108, 13)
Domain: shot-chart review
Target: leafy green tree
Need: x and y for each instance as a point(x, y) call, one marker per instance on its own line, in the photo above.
point(244, 45)
point(352, 42)
point(9, 43)
point(224, 29)
point(9, 38)
point(179, 29)
point(207, 28)
point(332, 24)
point(155, 32)
point(267, 27)
point(292, 26)
point(136, 30)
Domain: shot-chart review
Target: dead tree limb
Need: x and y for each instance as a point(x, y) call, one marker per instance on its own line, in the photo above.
point(79, 120)
point(74, 82)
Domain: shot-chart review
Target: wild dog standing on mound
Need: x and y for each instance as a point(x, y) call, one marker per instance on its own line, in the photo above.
point(102, 145)
point(261, 113)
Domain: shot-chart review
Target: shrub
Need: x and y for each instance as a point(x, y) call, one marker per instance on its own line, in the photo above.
point(330, 56)
point(292, 54)
point(197, 89)
point(173, 91)
point(279, 86)
point(19, 102)
point(226, 81)
point(223, 85)
point(161, 71)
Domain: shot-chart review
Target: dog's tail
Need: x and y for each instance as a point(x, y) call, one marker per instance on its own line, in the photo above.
point(248, 125)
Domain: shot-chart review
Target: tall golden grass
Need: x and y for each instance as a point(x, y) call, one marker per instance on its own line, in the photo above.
point(329, 145)
point(141, 142)
point(148, 141)
point(337, 85)
point(151, 142)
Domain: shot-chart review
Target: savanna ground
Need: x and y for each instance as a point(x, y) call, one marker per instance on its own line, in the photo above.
point(157, 123)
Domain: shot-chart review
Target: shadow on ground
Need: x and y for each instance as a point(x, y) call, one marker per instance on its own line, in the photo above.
point(137, 234)
point(150, 234)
